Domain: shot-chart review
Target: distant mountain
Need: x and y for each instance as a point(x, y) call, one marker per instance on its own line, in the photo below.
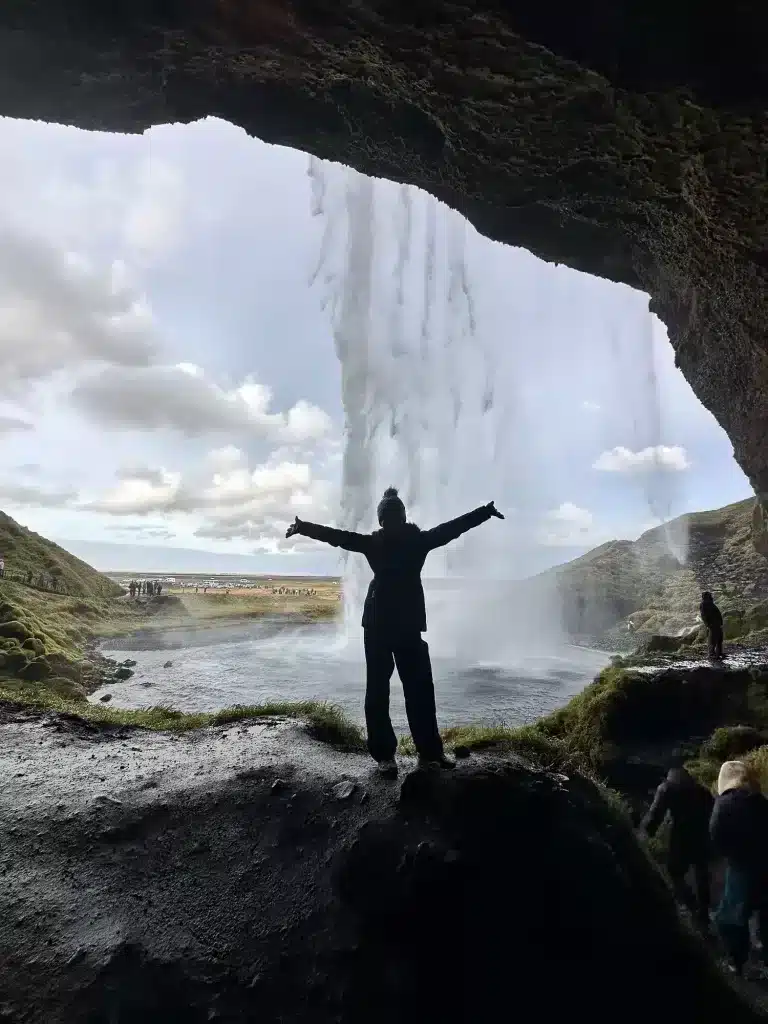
point(139, 558)
point(664, 572)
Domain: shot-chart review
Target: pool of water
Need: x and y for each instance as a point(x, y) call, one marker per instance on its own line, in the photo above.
point(263, 661)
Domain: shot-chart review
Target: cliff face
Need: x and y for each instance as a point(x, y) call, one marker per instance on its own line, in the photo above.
point(626, 139)
point(721, 552)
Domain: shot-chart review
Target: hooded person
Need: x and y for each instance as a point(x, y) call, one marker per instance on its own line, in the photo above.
point(739, 832)
point(688, 806)
point(394, 617)
point(712, 618)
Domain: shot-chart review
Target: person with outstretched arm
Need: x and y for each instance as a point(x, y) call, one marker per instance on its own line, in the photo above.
point(394, 617)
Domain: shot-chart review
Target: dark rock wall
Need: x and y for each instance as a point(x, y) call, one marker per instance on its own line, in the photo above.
point(625, 139)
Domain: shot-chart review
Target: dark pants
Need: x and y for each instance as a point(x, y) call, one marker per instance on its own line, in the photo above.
point(742, 899)
point(716, 642)
point(411, 655)
point(696, 900)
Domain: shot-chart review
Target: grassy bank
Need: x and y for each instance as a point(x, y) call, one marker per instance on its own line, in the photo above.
point(325, 721)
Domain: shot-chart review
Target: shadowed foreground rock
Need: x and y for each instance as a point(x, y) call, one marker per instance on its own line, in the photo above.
point(196, 890)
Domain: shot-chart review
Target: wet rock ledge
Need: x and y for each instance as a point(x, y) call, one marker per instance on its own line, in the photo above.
point(251, 873)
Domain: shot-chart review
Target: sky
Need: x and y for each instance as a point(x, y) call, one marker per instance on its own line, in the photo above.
point(170, 394)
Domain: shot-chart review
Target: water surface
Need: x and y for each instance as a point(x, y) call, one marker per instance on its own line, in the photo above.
point(268, 660)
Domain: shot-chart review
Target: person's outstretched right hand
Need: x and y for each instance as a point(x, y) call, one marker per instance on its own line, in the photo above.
point(493, 510)
point(293, 528)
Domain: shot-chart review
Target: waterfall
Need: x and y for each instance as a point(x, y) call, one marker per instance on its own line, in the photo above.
point(437, 397)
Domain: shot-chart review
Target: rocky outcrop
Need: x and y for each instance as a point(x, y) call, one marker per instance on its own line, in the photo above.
point(248, 873)
point(628, 141)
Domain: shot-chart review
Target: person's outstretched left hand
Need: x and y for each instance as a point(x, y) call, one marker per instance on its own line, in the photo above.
point(293, 528)
point(493, 510)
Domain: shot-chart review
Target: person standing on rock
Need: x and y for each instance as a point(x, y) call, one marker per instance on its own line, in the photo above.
point(739, 831)
point(688, 805)
point(394, 617)
point(712, 618)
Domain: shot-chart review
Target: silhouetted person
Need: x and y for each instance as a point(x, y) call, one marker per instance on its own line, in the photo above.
point(689, 807)
point(713, 620)
point(739, 830)
point(158, 589)
point(132, 588)
point(394, 617)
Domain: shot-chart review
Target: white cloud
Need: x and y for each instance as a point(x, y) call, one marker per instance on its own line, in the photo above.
point(672, 458)
point(29, 496)
point(589, 406)
point(57, 312)
point(8, 424)
point(232, 500)
point(567, 526)
point(181, 398)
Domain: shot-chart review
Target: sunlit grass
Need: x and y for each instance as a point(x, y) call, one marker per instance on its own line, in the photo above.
point(325, 722)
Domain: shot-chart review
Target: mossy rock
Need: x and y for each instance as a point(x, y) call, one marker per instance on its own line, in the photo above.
point(757, 617)
point(659, 643)
point(16, 660)
point(63, 666)
point(14, 629)
point(34, 644)
point(68, 689)
point(734, 625)
point(7, 612)
point(733, 741)
point(35, 670)
point(123, 673)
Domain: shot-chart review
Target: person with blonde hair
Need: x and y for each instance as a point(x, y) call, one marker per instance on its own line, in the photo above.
point(739, 832)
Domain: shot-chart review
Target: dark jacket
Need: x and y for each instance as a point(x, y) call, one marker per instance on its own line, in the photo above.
point(395, 600)
point(739, 830)
point(711, 615)
point(689, 806)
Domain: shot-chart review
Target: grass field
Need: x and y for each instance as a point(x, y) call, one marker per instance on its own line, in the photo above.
point(310, 598)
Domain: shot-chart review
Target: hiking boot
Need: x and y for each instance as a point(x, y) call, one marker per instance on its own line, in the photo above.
point(387, 769)
point(435, 763)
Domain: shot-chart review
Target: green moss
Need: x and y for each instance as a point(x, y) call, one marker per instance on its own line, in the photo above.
point(14, 629)
point(324, 721)
point(729, 743)
point(35, 644)
point(624, 709)
point(527, 741)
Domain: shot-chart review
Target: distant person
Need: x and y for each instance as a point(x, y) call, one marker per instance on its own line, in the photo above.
point(132, 588)
point(158, 588)
point(712, 618)
point(2, 567)
point(739, 830)
point(150, 588)
point(30, 577)
point(688, 805)
point(394, 618)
